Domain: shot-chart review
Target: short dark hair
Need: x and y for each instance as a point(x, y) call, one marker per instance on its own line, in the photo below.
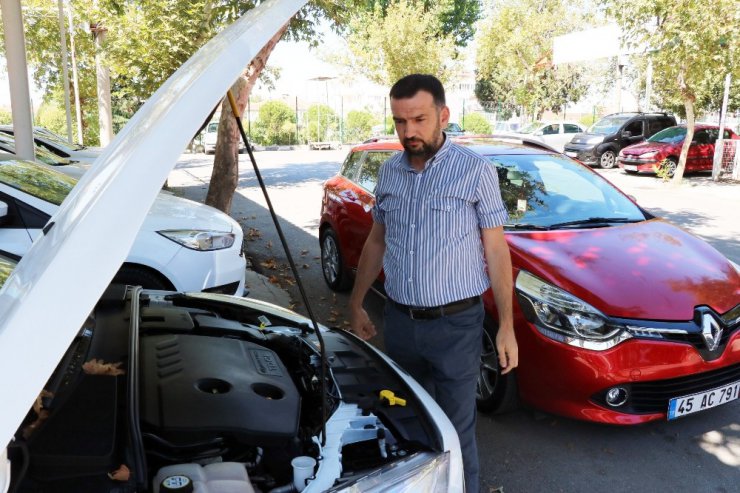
point(408, 86)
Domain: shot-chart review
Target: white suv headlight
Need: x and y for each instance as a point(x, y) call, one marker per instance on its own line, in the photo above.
point(199, 239)
point(419, 472)
point(561, 316)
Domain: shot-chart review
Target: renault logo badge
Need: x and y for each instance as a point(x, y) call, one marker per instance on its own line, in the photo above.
point(711, 331)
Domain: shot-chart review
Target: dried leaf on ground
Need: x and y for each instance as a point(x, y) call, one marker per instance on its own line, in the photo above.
point(305, 266)
point(270, 264)
point(100, 367)
point(253, 234)
point(275, 280)
point(304, 252)
point(121, 474)
point(269, 244)
point(41, 414)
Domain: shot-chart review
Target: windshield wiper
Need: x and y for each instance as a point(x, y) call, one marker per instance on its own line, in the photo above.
point(595, 221)
point(526, 226)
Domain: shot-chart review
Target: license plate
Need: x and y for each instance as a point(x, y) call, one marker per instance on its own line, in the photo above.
point(571, 153)
point(630, 167)
point(689, 404)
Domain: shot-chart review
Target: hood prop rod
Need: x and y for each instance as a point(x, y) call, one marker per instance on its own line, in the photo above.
point(317, 332)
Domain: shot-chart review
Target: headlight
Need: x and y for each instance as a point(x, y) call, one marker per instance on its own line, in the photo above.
point(561, 316)
point(595, 140)
point(199, 239)
point(419, 472)
point(648, 155)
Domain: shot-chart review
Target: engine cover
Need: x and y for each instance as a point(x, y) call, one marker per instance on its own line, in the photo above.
point(193, 386)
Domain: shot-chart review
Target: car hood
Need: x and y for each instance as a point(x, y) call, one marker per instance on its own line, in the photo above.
point(648, 270)
point(585, 138)
point(57, 283)
point(173, 212)
point(644, 147)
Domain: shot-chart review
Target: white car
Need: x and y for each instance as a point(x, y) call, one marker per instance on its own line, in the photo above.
point(210, 136)
point(554, 134)
point(42, 155)
point(59, 146)
point(181, 245)
point(165, 391)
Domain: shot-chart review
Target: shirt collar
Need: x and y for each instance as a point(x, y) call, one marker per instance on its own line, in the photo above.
point(438, 156)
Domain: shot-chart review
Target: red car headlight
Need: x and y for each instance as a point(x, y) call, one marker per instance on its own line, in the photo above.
point(563, 317)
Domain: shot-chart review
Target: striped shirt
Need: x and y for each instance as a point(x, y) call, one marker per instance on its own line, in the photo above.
point(434, 254)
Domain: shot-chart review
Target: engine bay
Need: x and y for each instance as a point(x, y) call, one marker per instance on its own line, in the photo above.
point(218, 390)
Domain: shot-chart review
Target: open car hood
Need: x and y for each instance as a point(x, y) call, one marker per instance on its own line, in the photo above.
point(57, 283)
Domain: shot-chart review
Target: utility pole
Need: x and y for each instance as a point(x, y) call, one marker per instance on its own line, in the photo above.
point(105, 116)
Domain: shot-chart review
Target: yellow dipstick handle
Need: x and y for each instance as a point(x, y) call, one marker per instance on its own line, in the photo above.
point(389, 396)
point(232, 102)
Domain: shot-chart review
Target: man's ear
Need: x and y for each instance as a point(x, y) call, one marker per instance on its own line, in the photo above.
point(444, 117)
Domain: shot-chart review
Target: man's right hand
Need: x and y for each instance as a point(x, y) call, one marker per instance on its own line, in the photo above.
point(360, 324)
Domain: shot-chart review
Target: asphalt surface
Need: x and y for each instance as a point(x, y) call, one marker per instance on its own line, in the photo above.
point(524, 451)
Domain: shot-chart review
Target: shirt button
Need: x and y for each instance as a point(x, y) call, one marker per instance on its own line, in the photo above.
point(413, 226)
point(411, 252)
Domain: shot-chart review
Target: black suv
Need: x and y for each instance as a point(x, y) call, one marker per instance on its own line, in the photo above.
point(603, 141)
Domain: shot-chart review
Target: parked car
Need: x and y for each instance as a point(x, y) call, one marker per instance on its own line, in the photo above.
point(664, 148)
point(155, 390)
point(59, 145)
point(182, 244)
point(601, 143)
point(210, 136)
point(505, 127)
point(620, 316)
point(554, 134)
point(76, 170)
point(454, 129)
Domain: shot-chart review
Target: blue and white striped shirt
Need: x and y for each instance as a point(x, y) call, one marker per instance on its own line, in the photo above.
point(432, 219)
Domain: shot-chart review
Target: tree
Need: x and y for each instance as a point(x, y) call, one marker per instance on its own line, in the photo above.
point(276, 123)
point(400, 37)
point(477, 124)
point(51, 116)
point(692, 45)
point(321, 123)
point(514, 56)
point(359, 125)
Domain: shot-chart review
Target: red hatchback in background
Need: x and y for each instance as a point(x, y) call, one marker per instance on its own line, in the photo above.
point(664, 148)
point(621, 317)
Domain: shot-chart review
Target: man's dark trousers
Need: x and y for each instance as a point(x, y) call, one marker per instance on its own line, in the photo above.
point(443, 355)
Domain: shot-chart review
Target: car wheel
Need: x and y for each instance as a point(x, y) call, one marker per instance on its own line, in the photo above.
point(332, 264)
point(134, 275)
point(494, 393)
point(607, 159)
point(669, 166)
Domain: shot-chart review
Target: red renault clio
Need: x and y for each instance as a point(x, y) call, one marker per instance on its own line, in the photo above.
point(621, 317)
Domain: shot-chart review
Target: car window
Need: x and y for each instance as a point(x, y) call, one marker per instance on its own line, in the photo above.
point(7, 265)
point(609, 124)
point(551, 129)
point(671, 135)
point(708, 136)
point(36, 180)
point(656, 126)
point(370, 167)
point(212, 127)
point(571, 129)
point(634, 128)
point(351, 165)
point(547, 189)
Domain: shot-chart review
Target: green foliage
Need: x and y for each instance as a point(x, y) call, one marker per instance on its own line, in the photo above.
point(321, 123)
point(275, 124)
point(400, 38)
point(6, 117)
point(689, 48)
point(514, 57)
point(51, 116)
point(477, 124)
point(359, 125)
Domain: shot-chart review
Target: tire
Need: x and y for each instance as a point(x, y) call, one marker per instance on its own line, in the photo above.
point(669, 166)
point(332, 262)
point(494, 393)
point(608, 159)
point(134, 275)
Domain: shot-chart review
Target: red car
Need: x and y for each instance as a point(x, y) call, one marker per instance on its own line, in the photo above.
point(663, 149)
point(620, 316)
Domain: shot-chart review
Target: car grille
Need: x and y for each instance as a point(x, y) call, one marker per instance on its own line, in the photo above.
point(224, 288)
point(652, 397)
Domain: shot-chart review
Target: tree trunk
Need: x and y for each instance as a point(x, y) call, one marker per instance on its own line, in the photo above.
point(225, 174)
point(688, 101)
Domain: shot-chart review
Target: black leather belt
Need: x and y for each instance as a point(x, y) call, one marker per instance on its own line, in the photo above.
point(432, 312)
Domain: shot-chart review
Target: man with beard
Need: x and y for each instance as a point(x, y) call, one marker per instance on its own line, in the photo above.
point(438, 234)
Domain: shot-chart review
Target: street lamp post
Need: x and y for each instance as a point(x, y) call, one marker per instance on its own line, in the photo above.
point(325, 79)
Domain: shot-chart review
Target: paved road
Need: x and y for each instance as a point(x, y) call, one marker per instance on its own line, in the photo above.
point(525, 451)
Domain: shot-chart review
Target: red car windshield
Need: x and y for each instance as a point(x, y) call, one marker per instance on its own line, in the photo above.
point(671, 135)
point(549, 191)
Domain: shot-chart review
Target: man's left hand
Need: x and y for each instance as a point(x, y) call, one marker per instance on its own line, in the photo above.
point(508, 351)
